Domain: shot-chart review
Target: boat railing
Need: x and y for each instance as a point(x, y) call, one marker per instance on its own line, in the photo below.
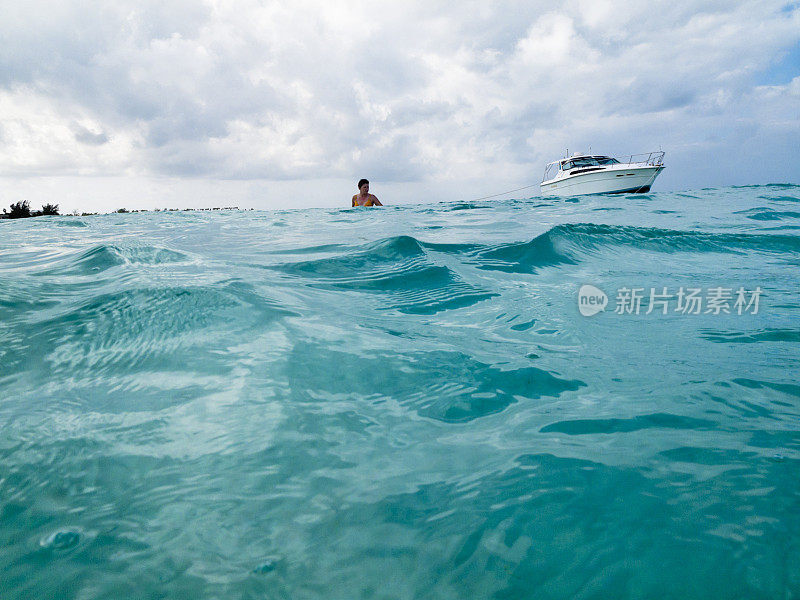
point(655, 159)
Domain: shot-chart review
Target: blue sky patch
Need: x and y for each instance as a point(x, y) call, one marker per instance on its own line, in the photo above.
point(784, 69)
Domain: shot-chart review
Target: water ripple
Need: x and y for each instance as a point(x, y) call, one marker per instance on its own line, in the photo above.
point(307, 403)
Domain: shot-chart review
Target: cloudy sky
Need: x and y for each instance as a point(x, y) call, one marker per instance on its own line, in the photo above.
point(177, 103)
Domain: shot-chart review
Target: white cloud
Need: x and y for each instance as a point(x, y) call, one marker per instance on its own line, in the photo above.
point(39, 136)
point(402, 92)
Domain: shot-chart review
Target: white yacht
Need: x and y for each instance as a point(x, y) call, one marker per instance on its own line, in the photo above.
point(591, 174)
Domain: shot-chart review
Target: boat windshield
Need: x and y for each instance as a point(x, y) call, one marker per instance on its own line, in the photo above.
point(588, 161)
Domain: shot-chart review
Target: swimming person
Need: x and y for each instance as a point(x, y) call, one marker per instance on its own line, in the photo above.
point(364, 198)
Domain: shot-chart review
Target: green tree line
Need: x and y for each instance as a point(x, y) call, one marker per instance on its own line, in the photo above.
point(22, 209)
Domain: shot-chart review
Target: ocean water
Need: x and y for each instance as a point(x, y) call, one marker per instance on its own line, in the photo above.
point(405, 402)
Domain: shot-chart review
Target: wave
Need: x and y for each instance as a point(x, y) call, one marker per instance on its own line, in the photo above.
point(568, 243)
point(309, 249)
point(776, 186)
point(791, 389)
point(764, 213)
point(609, 426)
point(70, 223)
point(467, 206)
point(780, 228)
point(397, 268)
point(447, 386)
point(782, 198)
point(406, 263)
point(136, 333)
point(592, 236)
point(545, 250)
point(768, 334)
point(106, 256)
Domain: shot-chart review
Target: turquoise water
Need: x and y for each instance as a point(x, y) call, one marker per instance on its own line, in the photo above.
point(402, 403)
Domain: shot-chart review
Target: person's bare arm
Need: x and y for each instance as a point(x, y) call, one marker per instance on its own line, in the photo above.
point(354, 202)
point(376, 202)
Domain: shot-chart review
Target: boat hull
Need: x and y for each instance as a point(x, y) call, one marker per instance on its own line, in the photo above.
point(612, 181)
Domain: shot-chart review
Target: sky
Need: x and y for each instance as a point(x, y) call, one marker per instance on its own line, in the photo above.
point(258, 104)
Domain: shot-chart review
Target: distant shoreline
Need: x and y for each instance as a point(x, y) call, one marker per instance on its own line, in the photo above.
point(21, 210)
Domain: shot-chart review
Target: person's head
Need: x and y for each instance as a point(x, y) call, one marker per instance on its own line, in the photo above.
point(361, 184)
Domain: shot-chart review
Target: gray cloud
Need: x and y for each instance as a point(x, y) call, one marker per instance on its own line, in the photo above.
point(84, 136)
